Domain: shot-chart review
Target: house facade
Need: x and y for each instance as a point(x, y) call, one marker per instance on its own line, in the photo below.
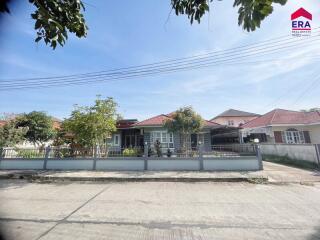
point(131, 133)
point(234, 118)
point(284, 126)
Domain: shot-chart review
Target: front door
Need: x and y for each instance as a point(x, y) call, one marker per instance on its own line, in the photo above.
point(194, 141)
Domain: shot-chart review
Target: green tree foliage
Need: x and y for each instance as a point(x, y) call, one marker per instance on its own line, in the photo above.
point(54, 18)
point(39, 126)
point(90, 126)
point(251, 12)
point(184, 121)
point(10, 134)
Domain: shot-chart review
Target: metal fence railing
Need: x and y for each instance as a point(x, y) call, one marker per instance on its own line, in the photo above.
point(231, 150)
point(107, 152)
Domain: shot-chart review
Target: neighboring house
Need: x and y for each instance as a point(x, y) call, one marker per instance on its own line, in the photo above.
point(153, 129)
point(284, 126)
point(234, 118)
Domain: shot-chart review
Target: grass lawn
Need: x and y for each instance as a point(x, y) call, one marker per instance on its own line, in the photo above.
point(290, 162)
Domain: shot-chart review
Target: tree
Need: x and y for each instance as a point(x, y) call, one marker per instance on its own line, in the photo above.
point(10, 134)
point(90, 126)
point(184, 121)
point(54, 18)
point(39, 127)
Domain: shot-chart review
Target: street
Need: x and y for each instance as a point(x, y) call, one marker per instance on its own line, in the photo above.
point(159, 210)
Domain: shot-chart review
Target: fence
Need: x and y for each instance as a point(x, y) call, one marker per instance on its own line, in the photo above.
point(303, 152)
point(63, 158)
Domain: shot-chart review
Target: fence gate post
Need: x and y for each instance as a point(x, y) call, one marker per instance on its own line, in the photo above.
point(259, 156)
point(317, 146)
point(47, 155)
point(201, 156)
point(146, 155)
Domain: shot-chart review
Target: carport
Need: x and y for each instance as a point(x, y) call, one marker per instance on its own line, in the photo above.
point(225, 135)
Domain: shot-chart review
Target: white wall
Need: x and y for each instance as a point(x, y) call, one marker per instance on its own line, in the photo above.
point(21, 164)
point(120, 165)
point(235, 164)
point(177, 164)
point(304, 152)
point(135, 164)
point(70, 164)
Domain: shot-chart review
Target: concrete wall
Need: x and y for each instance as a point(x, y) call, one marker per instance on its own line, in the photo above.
point(174, 165)
point(21, 164)
point(136, 164)
point(70, 164)
point(120, 164)
point(306, 152)
point(231, 164)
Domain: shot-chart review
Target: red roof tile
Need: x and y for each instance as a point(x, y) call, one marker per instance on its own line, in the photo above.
point(2, 123)
point(154, 121)
point(281, 116)
point(160, 119)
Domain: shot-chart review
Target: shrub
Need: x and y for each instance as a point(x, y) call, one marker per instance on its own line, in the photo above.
point(130, 152)
point(25, 153)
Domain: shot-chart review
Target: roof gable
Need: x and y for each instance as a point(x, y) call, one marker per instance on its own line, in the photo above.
point(236, 113)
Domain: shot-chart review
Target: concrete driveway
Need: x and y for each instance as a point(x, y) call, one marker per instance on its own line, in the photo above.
point(159, 210)
point(278, 173)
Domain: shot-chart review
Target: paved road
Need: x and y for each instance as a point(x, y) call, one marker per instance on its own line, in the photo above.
point(159, 210)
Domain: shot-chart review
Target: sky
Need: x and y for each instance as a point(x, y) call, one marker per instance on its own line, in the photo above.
point(128, 33)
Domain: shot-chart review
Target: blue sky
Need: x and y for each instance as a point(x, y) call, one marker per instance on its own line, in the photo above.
point(127, 33)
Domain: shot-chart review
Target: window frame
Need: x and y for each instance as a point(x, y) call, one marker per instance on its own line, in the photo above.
point(115, 136)
point(165, 138)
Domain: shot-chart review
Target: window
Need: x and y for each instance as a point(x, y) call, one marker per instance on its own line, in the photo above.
point(116, 140)
point(293, 136)
point(230, 122)
point(166, 139)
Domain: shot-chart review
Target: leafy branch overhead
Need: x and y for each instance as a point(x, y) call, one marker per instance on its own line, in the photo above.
point(55, 18)
point(251, 12)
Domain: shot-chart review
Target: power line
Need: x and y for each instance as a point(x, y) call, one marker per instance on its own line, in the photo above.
point(177, 60)
point(145, 72)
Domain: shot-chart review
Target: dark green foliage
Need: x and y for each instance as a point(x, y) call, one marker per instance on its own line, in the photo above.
point(10, 134)
point(39, 126)
point(194, 9)
point(252, 12)
point(54, 18)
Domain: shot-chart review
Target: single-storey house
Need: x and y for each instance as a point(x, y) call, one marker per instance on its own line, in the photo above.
point(131, 133)
point(283, 126)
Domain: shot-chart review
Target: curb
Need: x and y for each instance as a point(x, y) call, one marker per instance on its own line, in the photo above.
point(47, 179)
